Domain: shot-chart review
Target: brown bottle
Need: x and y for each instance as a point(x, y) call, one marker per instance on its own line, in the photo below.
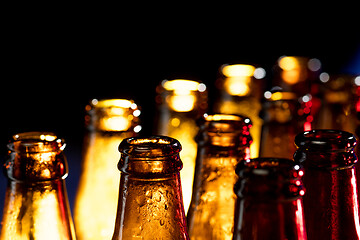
point(179, 103)
point(36, 203)
point(240, 88)
point(331, 205)
point(281, 125)
point(223, 141)
point(269, 204)
point(150, 201)
point(108, 122)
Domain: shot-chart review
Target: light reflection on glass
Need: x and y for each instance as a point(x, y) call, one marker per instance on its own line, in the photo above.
point(109, 122)
point(355, 202)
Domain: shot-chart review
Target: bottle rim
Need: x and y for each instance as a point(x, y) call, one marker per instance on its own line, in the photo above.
point(269, 165)
point(150, 147)
point(36, 142)
point(213, 121)
point(266, 179)
point(328, 138)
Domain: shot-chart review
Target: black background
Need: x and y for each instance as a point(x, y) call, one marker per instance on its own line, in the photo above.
point(54, 62)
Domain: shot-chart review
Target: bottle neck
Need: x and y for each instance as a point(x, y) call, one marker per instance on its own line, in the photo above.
point(113, 116)
point(269, 179)
point(269, 202)
point(224, 131)
point(152, 157)
point(326, 149)
point(150, 183)
point(35, 157)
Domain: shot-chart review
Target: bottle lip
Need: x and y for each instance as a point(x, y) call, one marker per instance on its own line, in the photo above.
point(224, 123)
point(268, 166)
point(265, 179)
point(150, 147)
point(326, 138)
point(113, 115)
point(36, 142)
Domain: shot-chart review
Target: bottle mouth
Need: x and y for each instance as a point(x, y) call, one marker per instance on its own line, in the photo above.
point(269, 178)
point(150, 147)
point(113, 115)
point(326, 139)
point(36, 142)
point(35, 157)
point(225, 123)
point(279, 167)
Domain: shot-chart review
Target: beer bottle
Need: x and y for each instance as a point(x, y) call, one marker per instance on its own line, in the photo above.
point(331, 204)
point(36, 202)
point(269, 204)
point(150, 201)
point(223, 141)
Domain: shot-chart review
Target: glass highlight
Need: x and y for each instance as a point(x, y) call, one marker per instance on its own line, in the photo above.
point(109, 121)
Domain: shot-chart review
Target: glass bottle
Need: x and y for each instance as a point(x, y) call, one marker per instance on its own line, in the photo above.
point(179, 103)
point(338, 107)
point(36, 202)
point(281, 124)
point(108, 121)
point(331, 204)
point(240, 89)
point(150, 201)
point(298, 75)
point(223, 141)
point(269, 204)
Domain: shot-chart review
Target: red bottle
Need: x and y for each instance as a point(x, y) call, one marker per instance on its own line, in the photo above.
point(331, 204)
point(269, 204)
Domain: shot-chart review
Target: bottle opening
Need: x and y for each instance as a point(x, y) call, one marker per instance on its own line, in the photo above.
point(152, 147)
point(36, 142)
point(329, 139)
point(113, 115)
point(224, 117)
point(183, 94)
point(269, 178)
point(226, 123)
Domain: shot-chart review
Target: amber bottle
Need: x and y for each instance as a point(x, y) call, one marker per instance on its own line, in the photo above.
point(281, 125)
point(269, 204)
point(108, 122)
point(223, 141)
point(179, 103)
point(240, 89)
point(150, 201)
point(331, 204)
point(36, 202)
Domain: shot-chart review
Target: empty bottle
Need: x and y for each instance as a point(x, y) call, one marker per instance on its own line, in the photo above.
point(269, 204)
point(223, 141)
point(331, 204)
point(150, 201)
point(36, 202)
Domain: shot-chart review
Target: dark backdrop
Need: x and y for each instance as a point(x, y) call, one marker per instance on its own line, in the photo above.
point(52, 68)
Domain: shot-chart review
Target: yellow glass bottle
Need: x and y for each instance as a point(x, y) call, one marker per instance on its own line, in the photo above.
point(180, 102)
point(240, 89)
point(223, 141)
point(36, 202)
point(108, 122)
point(150, 200)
